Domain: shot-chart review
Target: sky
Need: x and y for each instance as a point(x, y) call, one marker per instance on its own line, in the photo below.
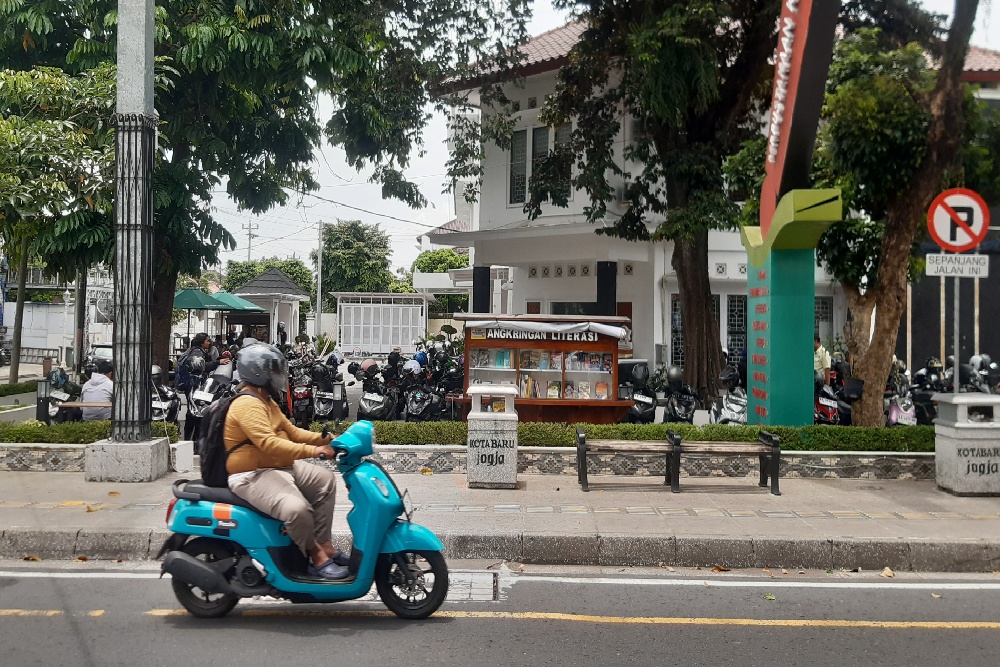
point(292, 230)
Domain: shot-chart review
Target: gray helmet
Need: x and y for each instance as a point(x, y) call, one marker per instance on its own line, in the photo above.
point(675, 378)
point(156, 374)
point(263, 366)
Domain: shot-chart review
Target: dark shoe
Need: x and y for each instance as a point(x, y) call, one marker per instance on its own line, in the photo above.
point(341, 559)
point(329, 570)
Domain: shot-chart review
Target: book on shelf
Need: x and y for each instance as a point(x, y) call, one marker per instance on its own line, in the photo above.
point(583, 389)
point(554, 389)
point(543, 360)
point(607, 359)
point(569, 391)
point(556, 360)
point(497, 358)
point(536, 358)
point(601, 390)
point(594, 361)
point(525, 359)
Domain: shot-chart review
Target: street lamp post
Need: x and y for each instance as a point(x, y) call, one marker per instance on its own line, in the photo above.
point(131, 455)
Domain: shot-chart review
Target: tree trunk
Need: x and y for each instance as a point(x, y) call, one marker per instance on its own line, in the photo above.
point(22, 281)
point(857, 334)
point(702, 349)
point(161, 316)
point(909, 210)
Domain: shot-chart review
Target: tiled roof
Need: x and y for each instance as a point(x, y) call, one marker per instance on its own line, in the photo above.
point(455, 225)
point(982, 60)
point(552, 45)
point(272, 281)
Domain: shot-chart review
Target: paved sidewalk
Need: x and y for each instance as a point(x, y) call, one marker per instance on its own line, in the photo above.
point(825, 524)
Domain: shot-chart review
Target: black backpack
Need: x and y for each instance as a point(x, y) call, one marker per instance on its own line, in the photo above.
point(211, 443)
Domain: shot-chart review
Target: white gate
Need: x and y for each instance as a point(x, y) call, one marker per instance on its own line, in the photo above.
point(376, 323)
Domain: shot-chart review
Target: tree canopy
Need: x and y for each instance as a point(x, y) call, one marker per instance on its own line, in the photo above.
point(356, 258)
point(441, 261)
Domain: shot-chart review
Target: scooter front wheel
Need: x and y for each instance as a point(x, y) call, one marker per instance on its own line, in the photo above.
point(195, 600)
point(412, 584)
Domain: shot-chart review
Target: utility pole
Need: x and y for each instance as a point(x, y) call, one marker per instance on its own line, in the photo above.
point(319, 282)
point(251, 228)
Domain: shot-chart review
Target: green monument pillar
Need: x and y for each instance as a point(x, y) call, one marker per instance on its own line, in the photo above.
point(781, 307)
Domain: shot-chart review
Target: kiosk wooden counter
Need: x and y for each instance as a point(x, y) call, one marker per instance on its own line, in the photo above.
point(564, 367)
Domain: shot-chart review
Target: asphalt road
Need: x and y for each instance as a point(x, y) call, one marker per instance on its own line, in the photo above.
point(120, 615)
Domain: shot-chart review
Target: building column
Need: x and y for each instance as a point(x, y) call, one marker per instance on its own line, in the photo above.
point(607, 288)
point(482, 289)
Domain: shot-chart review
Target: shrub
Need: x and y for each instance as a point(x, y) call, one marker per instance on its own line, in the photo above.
point(18, 388)
point(543, 434)
point(81, 433)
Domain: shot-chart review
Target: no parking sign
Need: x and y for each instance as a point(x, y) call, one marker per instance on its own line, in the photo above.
point(958, 220)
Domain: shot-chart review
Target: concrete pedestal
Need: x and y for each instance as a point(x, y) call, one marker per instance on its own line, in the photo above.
point(110, 461)
point(491, 455)
point(967, 444)
point(182, 456)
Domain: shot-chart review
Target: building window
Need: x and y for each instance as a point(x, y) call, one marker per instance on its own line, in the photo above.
point(677, 327)
point(824, 318)
point(736, 324)
point(588, 308)
point(518, 166)
point(539, 146)
point(562, 139)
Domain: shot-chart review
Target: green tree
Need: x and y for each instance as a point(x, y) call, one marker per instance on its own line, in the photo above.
point(356, 258)
point(241, 84)
point(441, 261)
point(56, 165)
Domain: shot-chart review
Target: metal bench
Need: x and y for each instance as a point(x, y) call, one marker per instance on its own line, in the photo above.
point(583, 448)
point(767, 449)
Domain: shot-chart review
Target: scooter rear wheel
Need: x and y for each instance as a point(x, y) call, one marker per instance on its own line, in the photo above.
point(195, 600)
point(416, 600)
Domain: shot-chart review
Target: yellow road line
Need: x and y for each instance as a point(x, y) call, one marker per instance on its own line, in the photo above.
point(625, 620)
point(96, 613)
point(30, 612)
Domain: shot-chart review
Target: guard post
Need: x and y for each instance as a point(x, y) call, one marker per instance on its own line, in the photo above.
point(491, 455)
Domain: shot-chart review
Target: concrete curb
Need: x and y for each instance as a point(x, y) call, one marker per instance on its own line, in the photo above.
point(973, 555)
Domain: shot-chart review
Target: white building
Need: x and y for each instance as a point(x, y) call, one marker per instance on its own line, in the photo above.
point(555, 259)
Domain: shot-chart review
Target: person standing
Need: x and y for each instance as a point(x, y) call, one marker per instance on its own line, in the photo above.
point(98, 389)
point(197, 361)
point(821, 360)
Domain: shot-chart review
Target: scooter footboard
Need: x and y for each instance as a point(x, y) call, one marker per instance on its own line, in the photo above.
point(405, 536)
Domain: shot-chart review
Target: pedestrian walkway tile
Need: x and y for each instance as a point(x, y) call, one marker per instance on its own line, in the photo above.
point(847, 515)
point(640, 510)
point(700, 511)
point(440, 508)
point(806, 515)
point(607, 510)
point(881, 515)
point(741, 513)
point(472, 508)
point(673, 511)
point(574, 509)
point(538, 509)
point(923, 515)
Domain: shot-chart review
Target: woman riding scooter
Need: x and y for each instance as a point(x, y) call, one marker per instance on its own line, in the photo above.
point(266, 467)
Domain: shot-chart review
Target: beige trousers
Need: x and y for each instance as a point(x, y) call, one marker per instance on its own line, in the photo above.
point(302, 496)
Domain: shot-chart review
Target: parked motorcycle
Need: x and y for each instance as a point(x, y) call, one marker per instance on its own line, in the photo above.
point(378, 403)
point(329, 396)
point(300, 390)
point(825, 407)
point(207, 388)
point(731, 408)
point(223, 549)
point(4, 356)
point(166, 404)
point(928, 381)
point(643, 408)
point(681, 400)
point(898, 406)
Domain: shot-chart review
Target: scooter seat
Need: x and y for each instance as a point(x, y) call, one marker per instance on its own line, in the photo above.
point(218, 494)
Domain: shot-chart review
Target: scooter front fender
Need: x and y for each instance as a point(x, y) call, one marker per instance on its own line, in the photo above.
point(406, 536)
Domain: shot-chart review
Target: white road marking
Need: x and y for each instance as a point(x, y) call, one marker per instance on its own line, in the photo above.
point(750, 583)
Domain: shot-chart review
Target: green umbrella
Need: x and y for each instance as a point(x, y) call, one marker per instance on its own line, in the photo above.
point(237, 304)
point(194, 299)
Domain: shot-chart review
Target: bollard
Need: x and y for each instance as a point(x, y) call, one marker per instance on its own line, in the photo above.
point(491, 456)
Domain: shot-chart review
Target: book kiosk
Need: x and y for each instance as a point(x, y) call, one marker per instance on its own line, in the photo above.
point(565, 368)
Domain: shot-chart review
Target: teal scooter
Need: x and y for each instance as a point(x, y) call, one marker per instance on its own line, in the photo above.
point(223, 549)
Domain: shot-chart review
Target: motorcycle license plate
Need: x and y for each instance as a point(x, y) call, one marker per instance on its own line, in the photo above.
point(59, 395)
point(642, 398)
point(301, 401)
point(828, 402)
point(906, 420)
point(369, 396)
point(160, 405)
point(202, 396)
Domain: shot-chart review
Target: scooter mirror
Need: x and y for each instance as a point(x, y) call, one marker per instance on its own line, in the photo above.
point(351, 383)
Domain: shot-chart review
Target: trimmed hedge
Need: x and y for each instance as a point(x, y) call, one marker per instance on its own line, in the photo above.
point(18, 388)
point(76, 433)
point(540, 434)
